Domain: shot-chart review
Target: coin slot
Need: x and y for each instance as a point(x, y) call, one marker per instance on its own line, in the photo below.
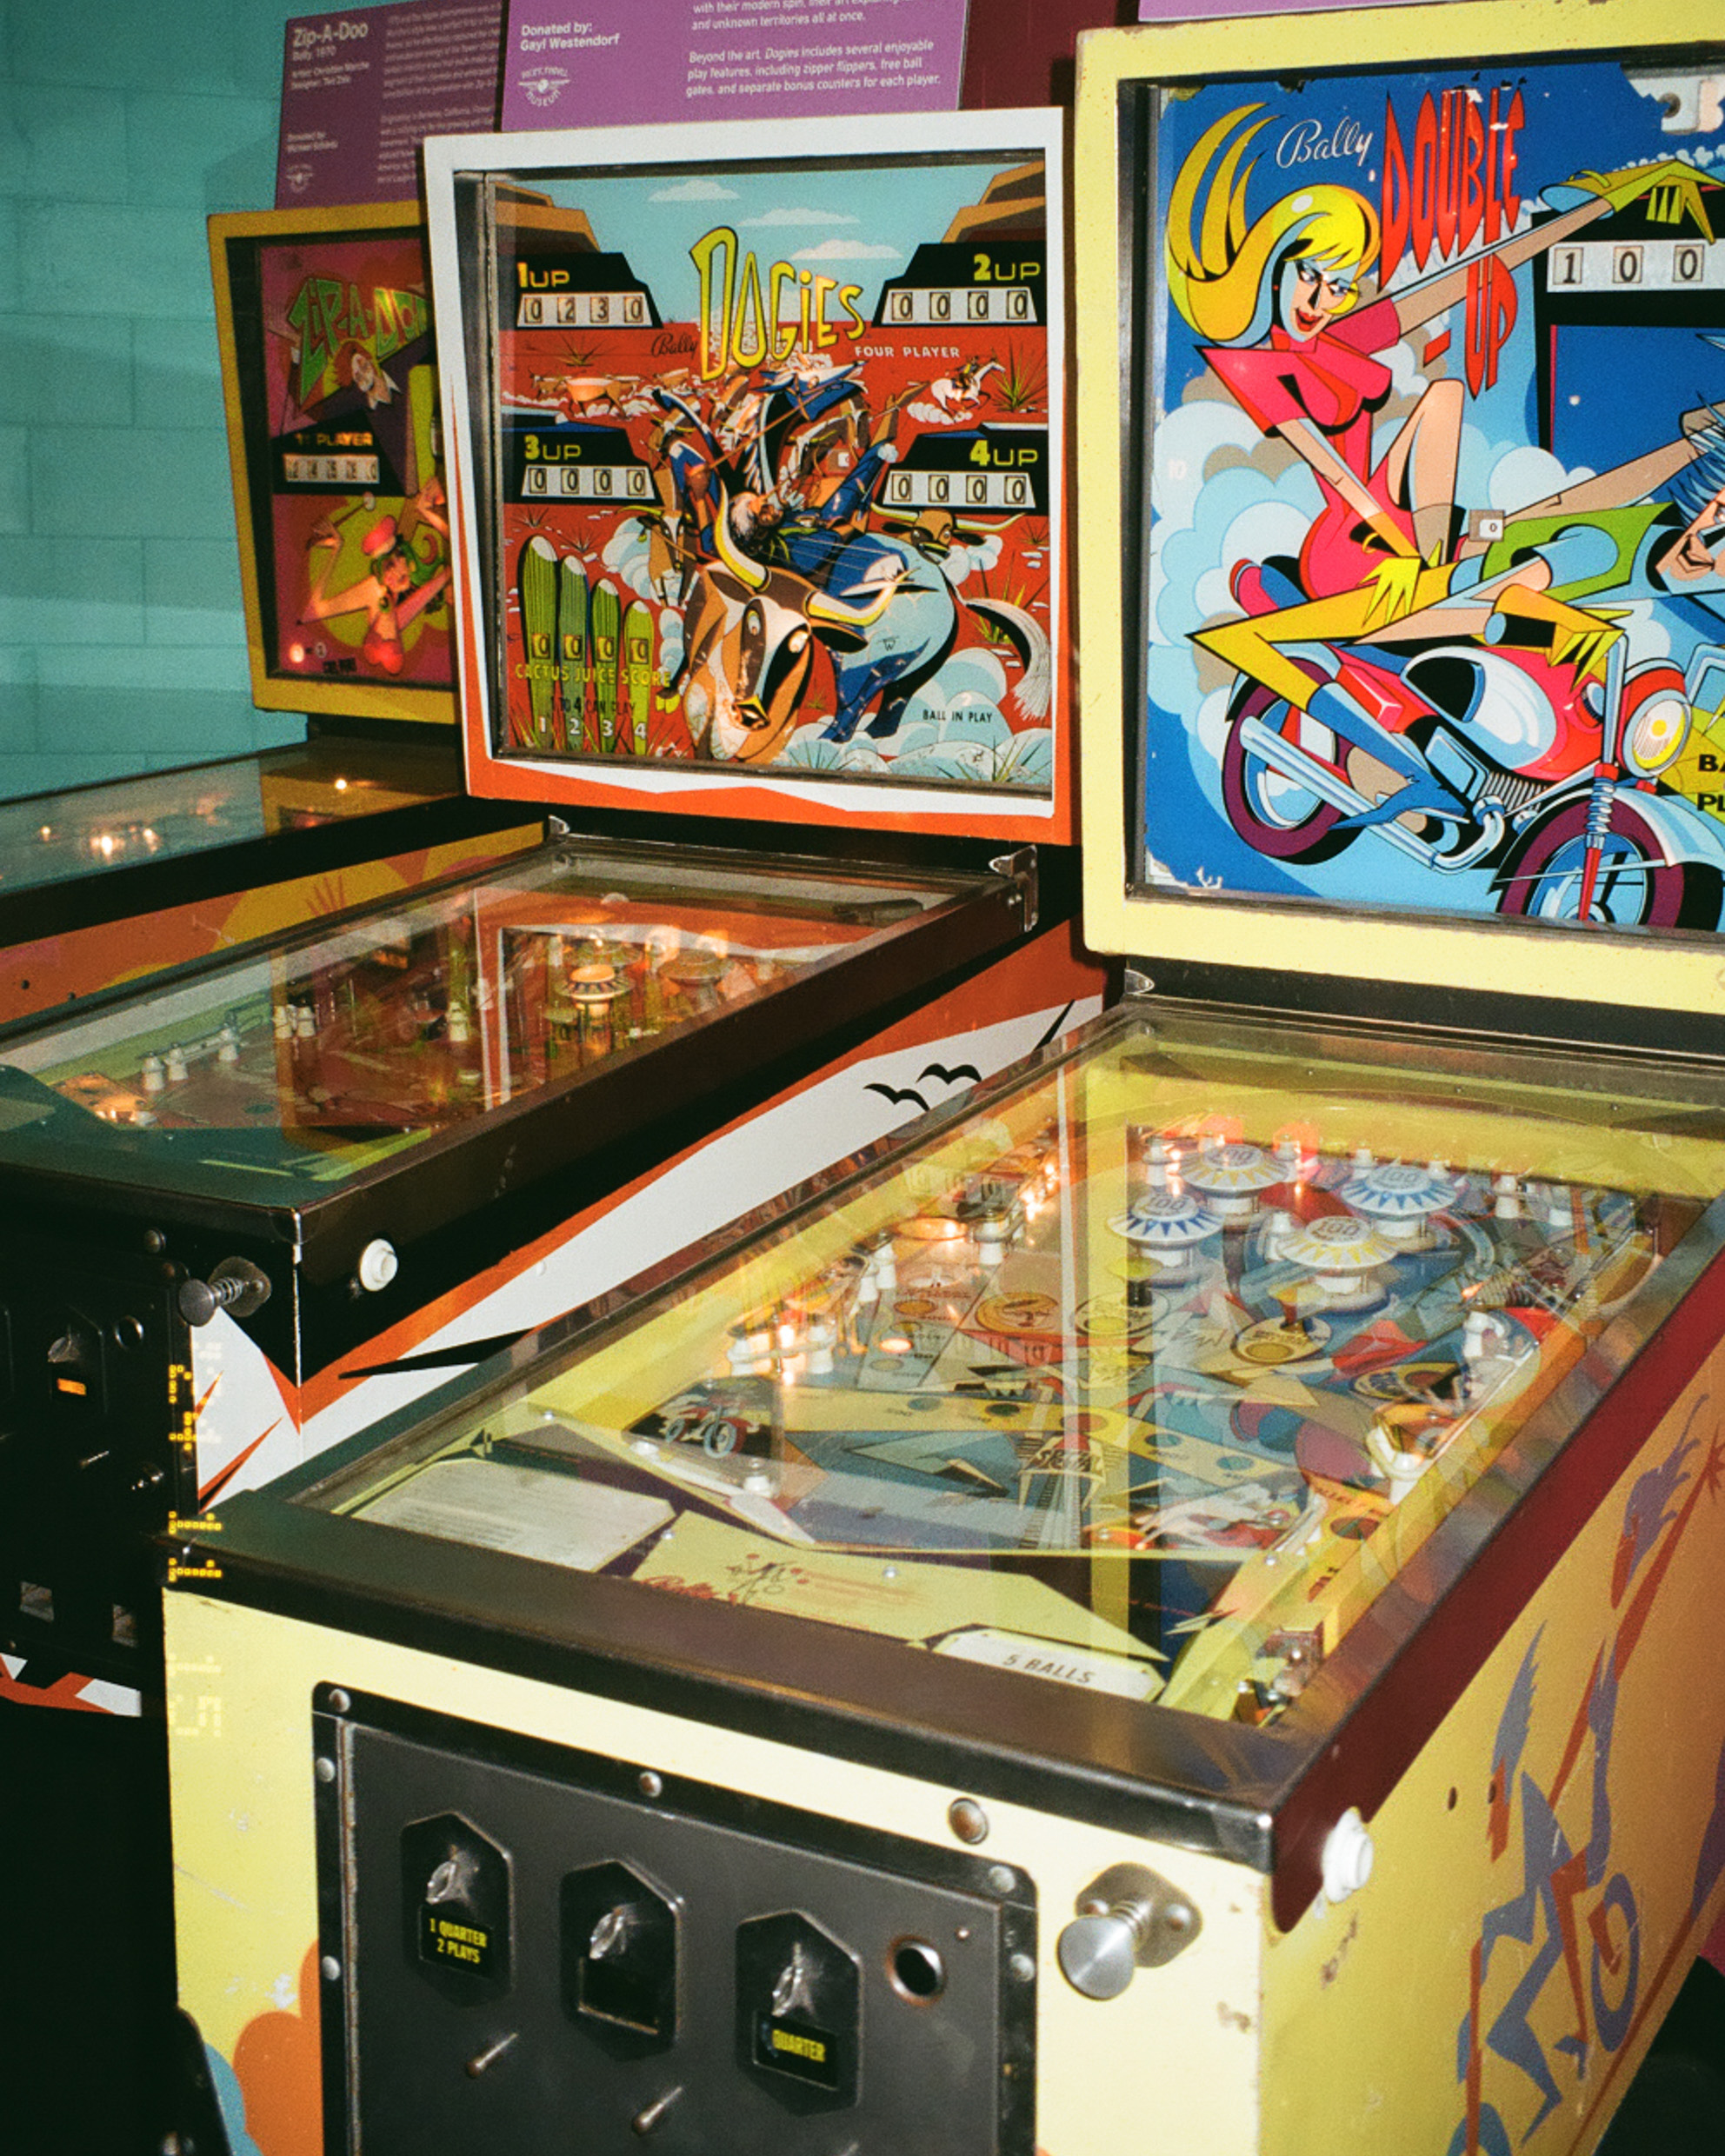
point(628, 1999)
point(799, 2006)
point(455, 1896)
point(620, 1948)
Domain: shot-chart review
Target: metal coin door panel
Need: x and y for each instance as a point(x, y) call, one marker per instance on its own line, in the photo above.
point(535, 1934)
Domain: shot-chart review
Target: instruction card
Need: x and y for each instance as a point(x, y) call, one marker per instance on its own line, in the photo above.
point(362, 87)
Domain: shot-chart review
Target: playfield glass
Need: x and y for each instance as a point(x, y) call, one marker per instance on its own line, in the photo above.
point(169, 815)
point(277, 1076)
point(766, 454)
point(1423, 373)
point(1149, 1378)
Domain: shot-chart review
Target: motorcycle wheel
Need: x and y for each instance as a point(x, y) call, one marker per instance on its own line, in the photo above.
point(1272, 812)
point(1636, 887)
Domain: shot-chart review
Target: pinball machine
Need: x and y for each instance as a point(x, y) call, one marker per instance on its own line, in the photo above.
point(253, 1201)
point(103, 883)
point(1172, 1606)
point(1048, 1614)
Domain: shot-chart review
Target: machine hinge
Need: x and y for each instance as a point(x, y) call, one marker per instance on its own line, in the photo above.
point(1020, 867)
point(1135, 983)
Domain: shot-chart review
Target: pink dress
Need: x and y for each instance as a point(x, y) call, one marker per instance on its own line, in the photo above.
point(1334, 382)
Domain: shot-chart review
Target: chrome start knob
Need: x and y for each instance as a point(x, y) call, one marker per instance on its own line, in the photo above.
point(1128, 1918)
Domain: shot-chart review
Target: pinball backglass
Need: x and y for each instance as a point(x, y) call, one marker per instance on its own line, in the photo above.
point(758, 444)
point(335, 442)
point(1422, 610)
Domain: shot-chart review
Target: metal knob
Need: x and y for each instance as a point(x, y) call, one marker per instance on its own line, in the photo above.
point(483, 2062)
point(1129, 1918)
point(651, 2115)
point(1099, 1954)
point(1348, 1856)
point(235, 1285)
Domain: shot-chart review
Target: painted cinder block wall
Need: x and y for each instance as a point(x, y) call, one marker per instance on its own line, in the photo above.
point(124, 123)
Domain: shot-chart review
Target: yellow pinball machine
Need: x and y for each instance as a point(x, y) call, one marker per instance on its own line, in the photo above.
point(1173, 1607)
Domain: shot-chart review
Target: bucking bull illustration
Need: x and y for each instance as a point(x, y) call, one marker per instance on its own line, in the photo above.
point(880, 605)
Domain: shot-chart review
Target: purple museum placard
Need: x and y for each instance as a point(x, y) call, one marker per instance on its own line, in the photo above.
point(362, 87)
point(617, 62)
point(1202, 10)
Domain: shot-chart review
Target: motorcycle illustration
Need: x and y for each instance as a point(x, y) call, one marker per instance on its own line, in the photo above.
point(1550, 784)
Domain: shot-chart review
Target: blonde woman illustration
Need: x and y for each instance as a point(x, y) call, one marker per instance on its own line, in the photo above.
point(1278, 298)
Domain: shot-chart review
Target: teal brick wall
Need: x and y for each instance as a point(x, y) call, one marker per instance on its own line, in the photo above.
point(123, 124)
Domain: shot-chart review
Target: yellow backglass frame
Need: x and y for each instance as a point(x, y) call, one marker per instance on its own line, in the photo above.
point(1681, 971)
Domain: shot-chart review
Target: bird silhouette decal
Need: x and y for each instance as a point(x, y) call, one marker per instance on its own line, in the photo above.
point(951, 1075)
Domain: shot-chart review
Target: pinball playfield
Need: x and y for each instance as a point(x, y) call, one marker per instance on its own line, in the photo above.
point(1148, 1382)
point(104, 883)
point(311, 1065)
